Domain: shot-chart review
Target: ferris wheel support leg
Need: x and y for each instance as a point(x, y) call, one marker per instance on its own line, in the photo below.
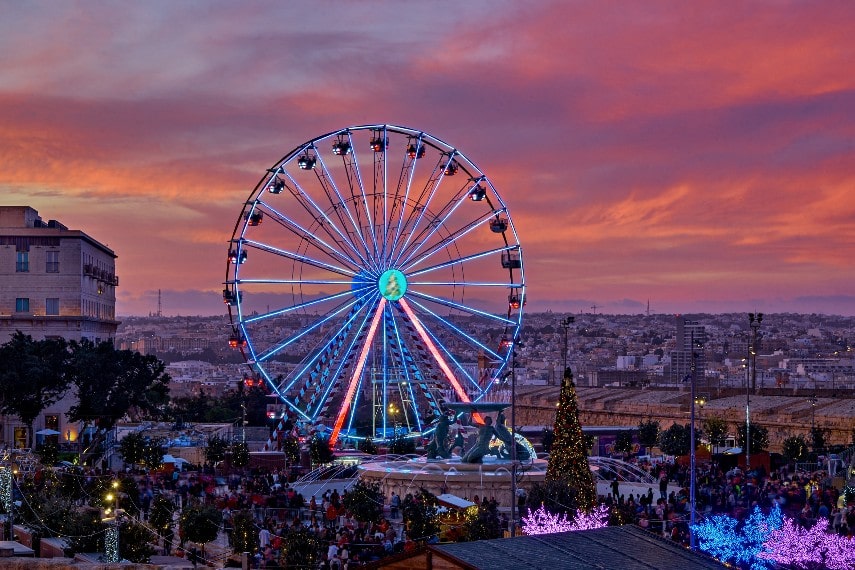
point(354, 380)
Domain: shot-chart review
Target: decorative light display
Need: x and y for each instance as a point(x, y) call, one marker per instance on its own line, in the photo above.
point(797, 547)
point(542, 521)
point(111, 544)
point(569, 458)
point(720, 537)
point(6, 488)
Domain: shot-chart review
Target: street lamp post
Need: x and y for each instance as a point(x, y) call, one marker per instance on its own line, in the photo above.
point(514, 343)
point(565, 324)
point(692, 475)
point(754, 321)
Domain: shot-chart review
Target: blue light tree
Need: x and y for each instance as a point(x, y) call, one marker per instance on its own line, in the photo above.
point(731, 542)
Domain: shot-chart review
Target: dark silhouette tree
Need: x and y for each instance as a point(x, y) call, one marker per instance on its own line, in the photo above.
point(244, 532)
point(364, 500)
point(482, 522)
point(676, 440)
point(33, 376)
point(319, 450)
point(115, 383)
point(569, 458)
point(240, 454)
point(623, 442)
point(421, 515)
point(818, 439)
point(300, 548)
point(759, 437)
point(648, 432)
point(216, 449)
point(135, 544)
point(715, 429)
point(795, 448)
point(200, 523)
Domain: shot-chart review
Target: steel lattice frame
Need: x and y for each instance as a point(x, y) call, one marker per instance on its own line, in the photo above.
point(385, 266)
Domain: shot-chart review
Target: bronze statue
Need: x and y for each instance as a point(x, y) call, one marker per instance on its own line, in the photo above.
point(482, 446)
point(438, 446)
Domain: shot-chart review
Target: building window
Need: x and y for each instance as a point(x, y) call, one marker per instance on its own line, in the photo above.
point(22, 265)
point(22, 305)
point(52, 306)
point(52, 261)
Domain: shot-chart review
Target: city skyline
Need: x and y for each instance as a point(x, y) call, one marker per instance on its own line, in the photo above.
point(696, 156)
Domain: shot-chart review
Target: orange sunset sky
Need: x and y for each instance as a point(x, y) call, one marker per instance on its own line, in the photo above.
point(699, 155)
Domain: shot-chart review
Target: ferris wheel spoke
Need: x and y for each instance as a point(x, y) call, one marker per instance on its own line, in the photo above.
point(467, 337)
point(298, 257)
point(275, 349)
point(357, 185)
point(293, 308)
point(437, 221)
point(343, 205)
point(407, 172)
point(315, 210)
point(454, 305)
point(312, 238)
point(360, 364)
point(333, 379)
point(460, 260)
point(422, 207)
point(450, 239)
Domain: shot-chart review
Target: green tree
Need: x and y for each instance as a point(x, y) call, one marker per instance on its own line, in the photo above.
point(648, 433)
point(421, 515)
point(795, 448)
point(364, 500)
point(367, 445)
point(153, 452)
point(200, 523)
point(676, 440)
point(482, 521)
point(569, 457)
point(291, 449)
point(32, 377)
point(759, 437)
point(716, 430)
point(244, 532)
point(132, 448)
point(623, 442)
point(319, 450)
point(216, 449)
point(162, 516)
point(401, 445)
point(116, 383)
point(48, 452)
point(818, 439)
point(240, 454)
point(135, 542)
point(300, 548)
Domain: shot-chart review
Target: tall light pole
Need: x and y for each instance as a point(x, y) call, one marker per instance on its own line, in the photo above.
point(692, 476)
point(565, 324)
point(514, 343)
point(754, 321)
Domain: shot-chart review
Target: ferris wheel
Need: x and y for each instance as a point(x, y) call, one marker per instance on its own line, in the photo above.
point(374, 274)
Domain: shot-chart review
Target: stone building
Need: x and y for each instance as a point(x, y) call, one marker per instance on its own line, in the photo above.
point(54, 282)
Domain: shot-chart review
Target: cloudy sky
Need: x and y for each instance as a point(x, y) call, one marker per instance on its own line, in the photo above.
point(699, 155)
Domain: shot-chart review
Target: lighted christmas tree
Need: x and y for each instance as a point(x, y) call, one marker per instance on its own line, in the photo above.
point(569, 458)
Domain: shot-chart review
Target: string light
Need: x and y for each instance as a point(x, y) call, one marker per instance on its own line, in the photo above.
point(6, 488)
point(111, 544)
point(720, 537)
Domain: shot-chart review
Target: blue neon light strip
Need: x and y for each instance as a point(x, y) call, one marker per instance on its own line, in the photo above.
point(328, 179)
point(448, 240)
point(449, 303)
point(275, 349)
point(399, 341)
point(458, 260)
point(435, 225)
point(294, 308)
point(412, 170)
point(453, 327)
point(424, 207)
point(298, 257)
point(312, 238)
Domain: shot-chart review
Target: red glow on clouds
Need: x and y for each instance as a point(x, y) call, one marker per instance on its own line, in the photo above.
point(698, 155)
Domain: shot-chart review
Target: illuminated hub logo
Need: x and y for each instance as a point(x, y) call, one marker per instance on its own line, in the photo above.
point(392, 284)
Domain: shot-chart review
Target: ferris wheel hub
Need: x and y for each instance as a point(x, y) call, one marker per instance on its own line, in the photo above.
point(392, 284)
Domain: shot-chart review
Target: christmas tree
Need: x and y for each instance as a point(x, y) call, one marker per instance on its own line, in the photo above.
point(568, 461)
